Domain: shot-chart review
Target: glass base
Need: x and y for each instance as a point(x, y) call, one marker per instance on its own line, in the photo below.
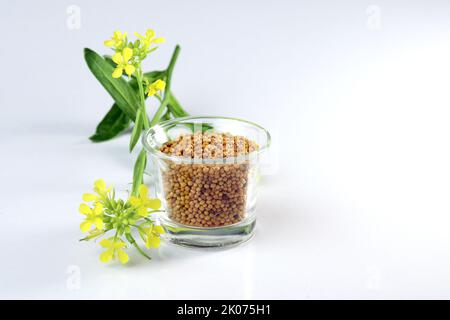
point(197, 237)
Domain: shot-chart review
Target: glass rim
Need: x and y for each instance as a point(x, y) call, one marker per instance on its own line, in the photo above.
point(159, 154)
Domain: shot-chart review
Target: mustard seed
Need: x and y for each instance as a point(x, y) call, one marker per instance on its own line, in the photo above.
point(207, 195)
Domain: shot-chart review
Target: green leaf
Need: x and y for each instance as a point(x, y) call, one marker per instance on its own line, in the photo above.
point(166, 116)
point(109, 59)
point(138, 172)
point(114, 122)
point(136, 134)
point(175, 107)
point(160, 111)
point(152, 76)
point(119, 89)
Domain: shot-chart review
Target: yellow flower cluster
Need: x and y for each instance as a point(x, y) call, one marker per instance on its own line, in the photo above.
point(153, 234)
point(122, 59)
point(94, 214)
point(115, 249)
point(155, 87)
point(100, 189)
point(103, 212)
point(129, 55)
point(142, 202)
point(118, 40)
point(149, 39)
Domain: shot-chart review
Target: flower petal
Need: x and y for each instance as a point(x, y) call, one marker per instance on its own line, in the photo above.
point(153, 203)
point(84, 209)
point(100, 185)
point(139, 36)
point(85, 225)
point(129, 69)
point(118, 244)
point(106, 243)
point(123, 256)
point(117, 58)
point(135, 201)
point(117, 73)
point(109, 43)
point(106, 256)
point(153, 242)
point(142, 211)
point(159, 84)
point(147, 44)
point(98, 223)
point(158, 230)
point(98, 209)
point(150, 33)
point(159, 40)
point(127, 53)
point(143, 191)
point(89, 197)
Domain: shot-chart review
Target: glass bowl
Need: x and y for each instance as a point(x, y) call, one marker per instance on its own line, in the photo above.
point(206, 176)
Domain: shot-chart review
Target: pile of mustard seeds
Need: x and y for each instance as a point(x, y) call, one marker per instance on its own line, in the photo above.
point(209, 146)
point(207, 195)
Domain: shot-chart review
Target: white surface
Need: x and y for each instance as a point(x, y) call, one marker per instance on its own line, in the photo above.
point(357, 205)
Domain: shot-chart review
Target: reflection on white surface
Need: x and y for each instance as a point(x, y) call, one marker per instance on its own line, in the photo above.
point(248, 273)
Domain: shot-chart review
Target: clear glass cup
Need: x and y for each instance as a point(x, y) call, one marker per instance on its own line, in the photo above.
point(207, 202)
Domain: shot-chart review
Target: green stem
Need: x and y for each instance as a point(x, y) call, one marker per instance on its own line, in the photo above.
point(166, 115)
point(90, 237)
point(133, 242)
point(165, 100)
point(142, 97)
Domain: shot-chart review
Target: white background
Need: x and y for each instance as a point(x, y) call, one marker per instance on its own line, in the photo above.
point(355, 93)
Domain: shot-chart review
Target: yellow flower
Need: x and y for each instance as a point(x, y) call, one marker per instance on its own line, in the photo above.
point(122, 60)
point(115, 249)
point(93, 216)
point(117, 40)
point(153, 236)
point(154, 87)
point(142, 203)
point(100, 189)
point(149, 39)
